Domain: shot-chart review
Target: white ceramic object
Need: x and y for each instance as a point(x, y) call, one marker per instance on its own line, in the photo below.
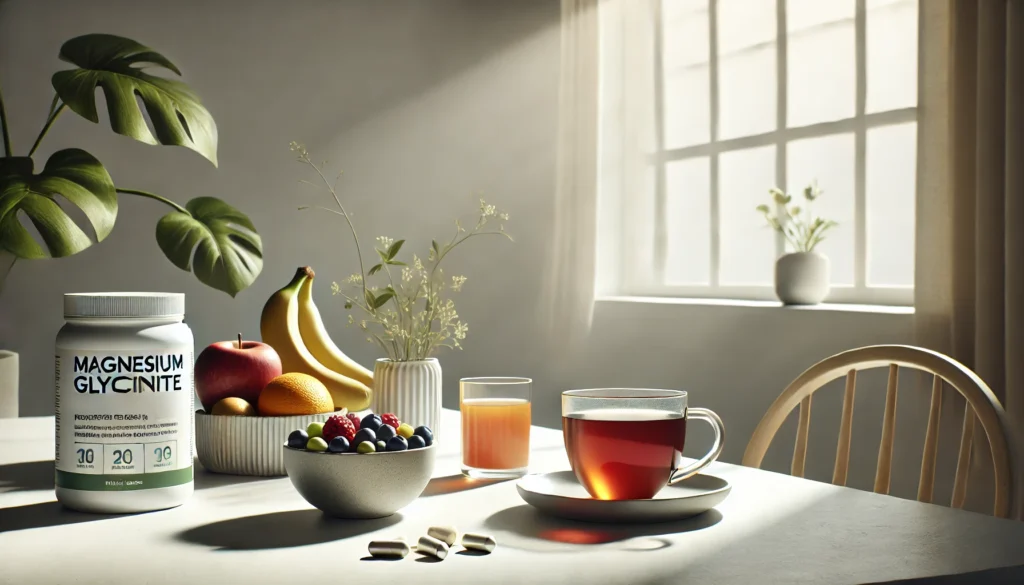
point(802, 278)
point(8, 384)
point(560, 494)
point(246, 445)
point(410, 390)
point(357, 485)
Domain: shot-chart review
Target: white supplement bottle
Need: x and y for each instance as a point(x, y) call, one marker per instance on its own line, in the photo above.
point(124, 402)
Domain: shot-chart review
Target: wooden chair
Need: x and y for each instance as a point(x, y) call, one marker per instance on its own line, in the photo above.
point(981, 404)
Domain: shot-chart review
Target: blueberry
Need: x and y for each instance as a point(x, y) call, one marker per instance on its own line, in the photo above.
point(397, 443)
point(417, 442)
point(385, 432)
point(338, 445)
point(298, 439)
point(371, 421)
point(364, 435)
point(381, 446)
point(426, 433)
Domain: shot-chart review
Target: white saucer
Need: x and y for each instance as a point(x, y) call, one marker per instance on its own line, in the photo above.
point(560, 494)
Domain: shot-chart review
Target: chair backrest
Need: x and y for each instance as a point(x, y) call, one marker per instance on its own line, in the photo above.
point(981, 404)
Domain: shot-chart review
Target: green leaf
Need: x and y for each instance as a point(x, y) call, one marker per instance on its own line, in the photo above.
point(383, 255)
point(382, 299)
point(395, 248)
point(117, 65)
point(397, 263)
point(374, 270)
point(348, 305)
point(215, 241)
point(71, 174)
point(370, 299)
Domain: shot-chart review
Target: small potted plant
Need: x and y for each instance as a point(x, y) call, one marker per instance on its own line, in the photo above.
point(801, 276)
point(406, 309)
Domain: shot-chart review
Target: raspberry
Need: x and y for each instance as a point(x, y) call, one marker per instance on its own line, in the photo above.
point(391, 420)
point(338, 426)
point(356, 421)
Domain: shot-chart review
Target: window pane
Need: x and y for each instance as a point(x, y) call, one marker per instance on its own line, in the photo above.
point(746, 72)
point(805, 14)
point(687, 107)
point(747, 245)
point(686, 81)
point(891, 54)
point(891, 180)
point(830, 160)
point(688, 207)
point(822, 63)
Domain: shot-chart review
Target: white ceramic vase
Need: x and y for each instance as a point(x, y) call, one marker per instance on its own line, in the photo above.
point(802, 278)
point(410, 390)
point(8, 384)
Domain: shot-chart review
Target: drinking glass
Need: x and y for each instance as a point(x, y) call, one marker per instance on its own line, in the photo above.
point(627, 443)
point(495, 427)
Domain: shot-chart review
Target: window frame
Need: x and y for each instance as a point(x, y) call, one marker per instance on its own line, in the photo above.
point(636, 280)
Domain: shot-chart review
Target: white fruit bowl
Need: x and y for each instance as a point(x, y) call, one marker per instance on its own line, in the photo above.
point(356, 485)
point(246, 445)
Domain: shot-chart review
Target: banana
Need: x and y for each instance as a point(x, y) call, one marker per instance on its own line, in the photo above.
point(279, 327)
point(319, 343)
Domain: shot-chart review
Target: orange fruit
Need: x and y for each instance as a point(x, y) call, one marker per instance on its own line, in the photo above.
point(232, 406)
point(294, 394)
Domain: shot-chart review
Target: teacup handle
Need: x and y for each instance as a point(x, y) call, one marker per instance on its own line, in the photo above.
point(716, 449)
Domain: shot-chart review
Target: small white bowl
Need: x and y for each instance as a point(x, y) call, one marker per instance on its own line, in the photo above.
point(247, 445)
point(357, 485)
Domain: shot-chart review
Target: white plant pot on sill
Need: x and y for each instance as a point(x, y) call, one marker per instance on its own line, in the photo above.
point(8, 384)
point(410, 390)
point(802, 278)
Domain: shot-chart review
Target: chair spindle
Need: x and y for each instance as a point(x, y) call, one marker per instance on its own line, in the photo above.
point(926, 485)
point(802, 430)
point(884, 471)
point(845, 431)
point(963, 462)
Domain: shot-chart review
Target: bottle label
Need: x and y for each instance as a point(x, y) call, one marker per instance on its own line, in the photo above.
point(123, 419)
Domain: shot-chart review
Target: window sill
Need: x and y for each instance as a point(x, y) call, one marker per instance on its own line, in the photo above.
point(710, 302)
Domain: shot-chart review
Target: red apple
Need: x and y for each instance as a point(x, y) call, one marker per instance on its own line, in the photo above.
point(235, 368)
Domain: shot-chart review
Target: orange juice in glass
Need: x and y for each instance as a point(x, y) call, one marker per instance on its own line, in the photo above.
point(495, 427)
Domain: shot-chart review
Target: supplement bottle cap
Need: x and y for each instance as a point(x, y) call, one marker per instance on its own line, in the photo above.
point(124, 304)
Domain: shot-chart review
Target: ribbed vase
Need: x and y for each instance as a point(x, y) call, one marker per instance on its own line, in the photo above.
point(410, 390)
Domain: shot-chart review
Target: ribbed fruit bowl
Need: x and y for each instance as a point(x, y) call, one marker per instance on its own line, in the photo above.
point(355, 485)
point(246, 445)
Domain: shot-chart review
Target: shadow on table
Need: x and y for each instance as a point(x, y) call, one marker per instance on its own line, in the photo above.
point(451, 484)
point(26, 476)
point(45, 514)
point(1002, 576)
point(205, 479)
point(536, 532)
point(280, 530)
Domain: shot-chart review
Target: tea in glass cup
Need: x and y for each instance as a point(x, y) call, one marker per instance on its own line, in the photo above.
point(627, 444)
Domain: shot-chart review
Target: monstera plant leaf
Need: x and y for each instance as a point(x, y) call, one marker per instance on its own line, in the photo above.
point(72, 174)
point(116, 65)
point(215, 241)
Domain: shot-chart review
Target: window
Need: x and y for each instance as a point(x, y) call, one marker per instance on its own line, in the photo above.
point(751, 94)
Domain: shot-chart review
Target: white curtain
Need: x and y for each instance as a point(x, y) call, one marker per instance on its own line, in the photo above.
point(569, 281)
point(605, 138)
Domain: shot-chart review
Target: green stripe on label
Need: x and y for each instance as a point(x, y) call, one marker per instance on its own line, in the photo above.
point(123, 482)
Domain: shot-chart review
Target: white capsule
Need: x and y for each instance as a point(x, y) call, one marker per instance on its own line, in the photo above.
point(428, 545)
point(389, 548)
point(446, 534)
point(481, 542)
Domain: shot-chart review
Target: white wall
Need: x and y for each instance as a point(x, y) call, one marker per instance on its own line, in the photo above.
point(424, 105)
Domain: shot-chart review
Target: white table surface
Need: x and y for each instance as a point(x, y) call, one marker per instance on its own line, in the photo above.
point(771, 529)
